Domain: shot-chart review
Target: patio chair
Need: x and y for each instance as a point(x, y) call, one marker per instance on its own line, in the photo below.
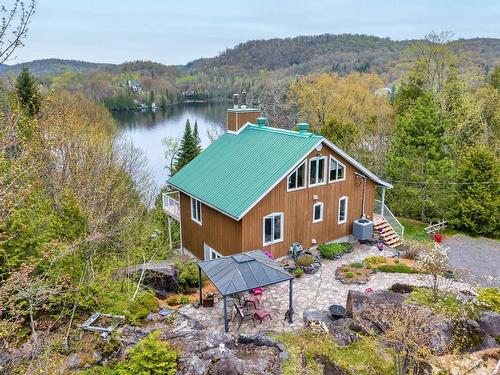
point(251, 300)
point(243, 315)
point(261, 315)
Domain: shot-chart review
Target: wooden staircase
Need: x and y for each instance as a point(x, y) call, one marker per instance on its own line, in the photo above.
point(385, 231)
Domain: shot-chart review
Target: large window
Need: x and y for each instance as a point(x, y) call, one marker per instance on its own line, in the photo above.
point(273, 228)
point(297, 179)
point(196, 210)
point(337, 170)
point(318, 212)
point(342, 210)
point(317, 171)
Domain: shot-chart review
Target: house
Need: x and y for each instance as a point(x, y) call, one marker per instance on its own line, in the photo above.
point(258, 187)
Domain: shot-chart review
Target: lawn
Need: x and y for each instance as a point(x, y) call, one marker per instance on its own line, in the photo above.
point(415, 230)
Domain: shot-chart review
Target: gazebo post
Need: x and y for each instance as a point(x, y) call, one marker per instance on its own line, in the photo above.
point(199, 286)
point(226, 327)
point(290, 308)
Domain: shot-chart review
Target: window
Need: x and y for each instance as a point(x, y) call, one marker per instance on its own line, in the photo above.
point(213, 254)
point(342, 210)
point(273, 228)
point(317, 170)
point(317, 212)
point(297, 180)
point(337, 170)
point(196, 210)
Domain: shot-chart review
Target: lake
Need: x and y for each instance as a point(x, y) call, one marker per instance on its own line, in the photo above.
point(146, 129)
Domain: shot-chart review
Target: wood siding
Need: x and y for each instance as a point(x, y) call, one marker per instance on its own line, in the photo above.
point(237, 118)
point(217, 230)
point(297, 207)
point(228, 236)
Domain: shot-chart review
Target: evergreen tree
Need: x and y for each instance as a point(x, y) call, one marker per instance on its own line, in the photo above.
point(188, 150)
point(478, 198)
point(495, 78)
point(27, 92)
point(196, 137)
point(419, 163)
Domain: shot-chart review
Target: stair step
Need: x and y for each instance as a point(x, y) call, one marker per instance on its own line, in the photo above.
point(389, 236)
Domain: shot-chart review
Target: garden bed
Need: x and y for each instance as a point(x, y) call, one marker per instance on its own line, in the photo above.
point(355, 273)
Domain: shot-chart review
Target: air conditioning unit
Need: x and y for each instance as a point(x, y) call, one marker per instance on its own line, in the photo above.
point(362, 229)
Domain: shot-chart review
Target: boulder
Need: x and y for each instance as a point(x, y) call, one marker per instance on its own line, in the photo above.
point(163, 280)
point(317, 316)
point(341, 332)
point(401, 288)
point(191, 364)
point(357, 301)
point(442, 340)
point(330, 368)
point(489, 322)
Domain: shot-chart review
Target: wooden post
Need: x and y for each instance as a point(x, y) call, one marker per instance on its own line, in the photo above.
point(170, 231)
point(290, 307)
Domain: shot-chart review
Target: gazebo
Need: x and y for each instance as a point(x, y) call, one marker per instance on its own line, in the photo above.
point(242, 272)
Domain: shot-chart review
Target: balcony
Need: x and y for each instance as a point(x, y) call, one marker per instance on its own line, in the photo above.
point(171, 206)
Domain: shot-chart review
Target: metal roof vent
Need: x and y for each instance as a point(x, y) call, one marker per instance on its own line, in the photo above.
point(243, 99)
point(261, 122)
point(235, 101)
point(303, 127)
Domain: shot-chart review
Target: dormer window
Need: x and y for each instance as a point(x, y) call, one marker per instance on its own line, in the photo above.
point(297, 179)
point(317, 171)
point(337, 170)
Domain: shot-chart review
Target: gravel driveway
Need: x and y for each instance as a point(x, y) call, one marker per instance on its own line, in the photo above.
point(481, 256)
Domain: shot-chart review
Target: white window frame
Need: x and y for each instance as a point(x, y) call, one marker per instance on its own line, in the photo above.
point(304, 163)
point(212, 254)
point(322, 212)
point(346, 210)
point(282, 227)
point(332, 160)
point(196, 216)
point(317, 158)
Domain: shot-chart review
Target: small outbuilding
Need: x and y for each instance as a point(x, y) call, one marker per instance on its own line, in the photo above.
point(243, 272)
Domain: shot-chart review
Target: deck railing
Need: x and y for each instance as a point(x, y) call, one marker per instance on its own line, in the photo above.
point(171, 206)
point(384, 211)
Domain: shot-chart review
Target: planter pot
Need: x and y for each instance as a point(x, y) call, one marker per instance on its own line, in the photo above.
point(438, 237)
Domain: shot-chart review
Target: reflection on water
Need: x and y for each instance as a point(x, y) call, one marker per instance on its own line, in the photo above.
point(146, 129)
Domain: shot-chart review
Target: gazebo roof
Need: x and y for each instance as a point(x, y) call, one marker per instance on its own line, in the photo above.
point(241, 272)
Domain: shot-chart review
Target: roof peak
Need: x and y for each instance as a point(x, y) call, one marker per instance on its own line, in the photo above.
point(284, 131)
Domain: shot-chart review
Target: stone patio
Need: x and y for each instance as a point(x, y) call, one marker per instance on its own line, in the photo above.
point(310, 292)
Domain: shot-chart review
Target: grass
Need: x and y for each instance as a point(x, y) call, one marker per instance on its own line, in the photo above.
point(415, 229)
point(396, 268)
point(364, 356)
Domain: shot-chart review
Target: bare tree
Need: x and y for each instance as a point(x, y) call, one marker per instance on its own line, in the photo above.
point(14, 26)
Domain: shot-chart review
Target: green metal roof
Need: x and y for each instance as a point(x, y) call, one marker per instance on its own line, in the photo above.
point(237, 170)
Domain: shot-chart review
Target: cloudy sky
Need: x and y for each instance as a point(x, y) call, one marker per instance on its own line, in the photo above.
point(175, 32)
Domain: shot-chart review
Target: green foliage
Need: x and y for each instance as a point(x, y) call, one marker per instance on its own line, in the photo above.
point(305, 260)
point(495, 78)
point(396, 268)
point(184, 300)
point(414, 229)
point(357, 265)
point(150, 356)
point(374, 260)
point(298, 272)
point(123, 100)
point(27, 92)
point(419, 164)
point(344, 134)
point(173, 300)
point(490, 298)
point(188, 148)
point(188, 276)
point(447, 303)
point(331, 250)
point(196, 137)
point(364, 356)
point(478, 198)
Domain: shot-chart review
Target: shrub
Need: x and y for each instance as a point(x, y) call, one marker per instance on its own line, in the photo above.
point(298, 272)
point(188, 276)
point(447, 303)
point(184, 300)
point(411, 249)
point(375, 260)
point(396, 261)
point(401, 288)
point(173, 300)
point(331, 250)
point(396, 268)
point(349, 275)
point(490, 298)
point(357, 265)
point(305, 260)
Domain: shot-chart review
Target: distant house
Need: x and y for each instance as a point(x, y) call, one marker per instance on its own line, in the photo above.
point(258, 187)
point(383, 91)
point(134, 86)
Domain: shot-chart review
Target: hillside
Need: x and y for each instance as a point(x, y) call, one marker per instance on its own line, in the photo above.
point(53, 66)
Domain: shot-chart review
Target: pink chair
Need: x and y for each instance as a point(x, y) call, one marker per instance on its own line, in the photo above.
point(257, 291)
point(261, 315)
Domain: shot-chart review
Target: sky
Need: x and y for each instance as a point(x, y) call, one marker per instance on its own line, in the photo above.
point(179, 31)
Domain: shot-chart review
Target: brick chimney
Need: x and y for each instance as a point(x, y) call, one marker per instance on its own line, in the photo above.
point(239, 115)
